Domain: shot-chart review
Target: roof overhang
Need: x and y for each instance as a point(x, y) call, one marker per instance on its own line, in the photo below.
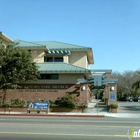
point(60, 67)
point(101, 71)
point(65, 72)
point(5, 38)
point(90, 57)
point(30, 45)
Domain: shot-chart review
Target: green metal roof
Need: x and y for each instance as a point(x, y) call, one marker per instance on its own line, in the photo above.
point(56, 48)
point(60, 67)
point(26, 44)
point(51, 45)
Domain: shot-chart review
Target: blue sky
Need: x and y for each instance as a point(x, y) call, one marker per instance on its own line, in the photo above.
point(110, 27)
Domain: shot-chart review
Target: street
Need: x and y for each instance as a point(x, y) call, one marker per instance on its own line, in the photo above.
point(129, 107)
point(66, 128)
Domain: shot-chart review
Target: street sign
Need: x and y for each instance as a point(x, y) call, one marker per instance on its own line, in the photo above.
point(37, 105)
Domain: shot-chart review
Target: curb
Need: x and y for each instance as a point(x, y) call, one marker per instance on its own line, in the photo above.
point(54, 115)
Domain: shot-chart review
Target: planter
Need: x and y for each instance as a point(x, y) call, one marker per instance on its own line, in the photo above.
point(52, 109)
point(113, 110)
point(13, 109)
point(63, 109)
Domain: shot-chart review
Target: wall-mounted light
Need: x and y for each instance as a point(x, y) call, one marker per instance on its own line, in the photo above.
point(112, 88)
point(83, 88)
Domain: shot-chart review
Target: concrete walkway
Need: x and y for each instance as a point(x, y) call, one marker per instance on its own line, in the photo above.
point(101, 109)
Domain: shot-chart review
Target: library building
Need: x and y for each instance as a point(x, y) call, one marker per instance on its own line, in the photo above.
point(60, 66)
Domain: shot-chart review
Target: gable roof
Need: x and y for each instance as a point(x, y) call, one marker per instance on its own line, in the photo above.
point(60, 67)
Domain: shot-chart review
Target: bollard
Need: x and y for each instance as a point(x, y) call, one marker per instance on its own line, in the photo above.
point(28, 110)
point(9, 109)
point(4, 109)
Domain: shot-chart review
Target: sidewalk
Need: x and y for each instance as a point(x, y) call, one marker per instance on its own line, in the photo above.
point(57, 114)
point(53, 114)
point(92, 111)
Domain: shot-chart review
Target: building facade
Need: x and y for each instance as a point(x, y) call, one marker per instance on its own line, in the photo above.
point(60, 65)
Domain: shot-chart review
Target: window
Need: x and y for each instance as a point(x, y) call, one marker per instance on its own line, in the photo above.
point(53, 59)
point(48, 59)
point(58, 59)
point(49, 76)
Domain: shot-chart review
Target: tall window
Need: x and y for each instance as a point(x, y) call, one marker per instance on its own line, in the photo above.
point(49, 76)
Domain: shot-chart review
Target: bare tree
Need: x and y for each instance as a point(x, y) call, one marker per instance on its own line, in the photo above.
point(125, 82)
point(136, 84)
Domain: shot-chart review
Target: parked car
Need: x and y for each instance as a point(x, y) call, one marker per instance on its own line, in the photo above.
point(122, 99)
point(129, 99)
point(136, 99)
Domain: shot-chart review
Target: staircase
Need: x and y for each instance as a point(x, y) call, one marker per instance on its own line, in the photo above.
point(92, 107)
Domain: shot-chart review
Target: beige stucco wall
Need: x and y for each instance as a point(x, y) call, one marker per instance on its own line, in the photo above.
point(66, 59)
point(63, 78)
point(38, 56)
point(79, 58)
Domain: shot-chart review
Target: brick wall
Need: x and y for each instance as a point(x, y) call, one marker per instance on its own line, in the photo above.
point(49, 94)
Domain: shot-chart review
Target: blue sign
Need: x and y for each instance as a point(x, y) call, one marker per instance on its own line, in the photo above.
point(37, 105)
point(112, 96)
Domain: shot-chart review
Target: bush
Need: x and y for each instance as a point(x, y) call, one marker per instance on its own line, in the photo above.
point(113, 106)
point(52, 104)
point(41, 100)
point(82, 106)
point(5, 105)
point(17, 102)
point(66, 101)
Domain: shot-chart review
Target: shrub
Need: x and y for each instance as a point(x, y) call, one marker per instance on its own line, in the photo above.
point(17, 102)
point(113, 106)
point(82, 106)
point(41, 100)
point(52, 104)
point(5, 105)
point(66, 101)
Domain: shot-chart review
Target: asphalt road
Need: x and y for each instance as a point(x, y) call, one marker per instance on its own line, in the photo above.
point(129, 107)
point(65, 128)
